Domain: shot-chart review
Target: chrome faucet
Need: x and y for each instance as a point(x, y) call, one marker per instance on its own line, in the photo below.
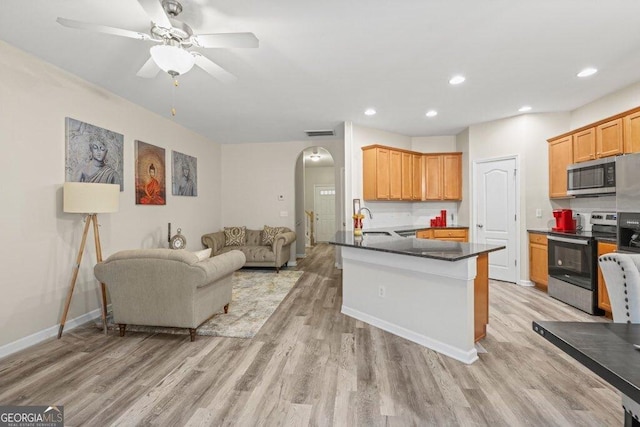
point(363, 208)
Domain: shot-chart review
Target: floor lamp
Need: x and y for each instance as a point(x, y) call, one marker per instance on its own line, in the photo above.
point(89, 199)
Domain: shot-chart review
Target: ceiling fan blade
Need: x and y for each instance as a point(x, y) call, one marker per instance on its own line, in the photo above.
point(154, 9)
point(214, 69)
point(226, 40)
point(102, 29)
point(149, 70)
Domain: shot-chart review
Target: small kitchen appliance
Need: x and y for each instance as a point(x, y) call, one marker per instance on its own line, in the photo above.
point(564, 220)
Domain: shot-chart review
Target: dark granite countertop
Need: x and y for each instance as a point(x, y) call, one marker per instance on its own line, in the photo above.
point(425, 248)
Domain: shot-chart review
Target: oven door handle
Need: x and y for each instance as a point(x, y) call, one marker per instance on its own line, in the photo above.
point(567, 240)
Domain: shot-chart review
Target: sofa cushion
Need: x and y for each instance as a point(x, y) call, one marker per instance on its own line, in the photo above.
point(235, 236)
point(253, 253)
point(269, 234)
point(203, 254)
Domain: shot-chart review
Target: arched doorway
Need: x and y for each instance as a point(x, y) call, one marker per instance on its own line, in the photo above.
point(315, 198)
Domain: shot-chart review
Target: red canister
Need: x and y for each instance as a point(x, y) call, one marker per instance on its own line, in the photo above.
point(443, 216)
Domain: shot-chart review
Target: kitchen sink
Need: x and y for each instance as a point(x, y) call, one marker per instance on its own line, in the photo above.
point(376, 233)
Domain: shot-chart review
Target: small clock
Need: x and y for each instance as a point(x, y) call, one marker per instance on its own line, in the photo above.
point(178, 241)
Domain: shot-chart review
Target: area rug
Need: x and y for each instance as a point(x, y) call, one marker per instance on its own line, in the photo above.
point(255, 297)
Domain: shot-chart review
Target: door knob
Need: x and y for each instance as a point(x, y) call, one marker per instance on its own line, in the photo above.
point(480, 225)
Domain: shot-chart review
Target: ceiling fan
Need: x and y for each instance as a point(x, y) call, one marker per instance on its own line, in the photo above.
point(174, 38)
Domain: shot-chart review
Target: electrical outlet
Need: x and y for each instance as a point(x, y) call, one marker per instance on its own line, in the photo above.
point(382, 291)
point(538, 213)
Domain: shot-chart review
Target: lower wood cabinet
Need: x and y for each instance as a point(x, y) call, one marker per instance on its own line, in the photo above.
point(450, 234)
point(538, 260)
point(603, 295)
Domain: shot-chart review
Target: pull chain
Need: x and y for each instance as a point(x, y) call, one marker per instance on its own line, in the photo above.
point(173, 95)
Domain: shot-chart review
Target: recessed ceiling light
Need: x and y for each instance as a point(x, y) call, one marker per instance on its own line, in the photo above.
point(456, 80)
point(587, 72)
point(432, 113)
point(370, 112)
point(524, 108)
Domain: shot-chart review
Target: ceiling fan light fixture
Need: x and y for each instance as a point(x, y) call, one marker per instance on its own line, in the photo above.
point(172, 59)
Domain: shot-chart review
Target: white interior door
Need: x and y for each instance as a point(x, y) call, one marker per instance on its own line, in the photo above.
point(496, 221)
point(324, 207)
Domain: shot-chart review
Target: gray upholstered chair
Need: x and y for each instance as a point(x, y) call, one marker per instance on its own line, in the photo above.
point(622, 278)
point(165, 287)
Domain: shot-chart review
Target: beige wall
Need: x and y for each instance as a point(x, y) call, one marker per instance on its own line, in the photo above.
point(609, 105)
point(525, 137)
point(42, 241)
point(434, 144)
point(253, 175)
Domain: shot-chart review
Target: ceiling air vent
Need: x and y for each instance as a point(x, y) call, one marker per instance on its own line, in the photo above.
point(319, 133)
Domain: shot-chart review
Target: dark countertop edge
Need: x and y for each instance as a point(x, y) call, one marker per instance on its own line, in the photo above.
point(457, 258)
point(404, 228)
point(598, 238)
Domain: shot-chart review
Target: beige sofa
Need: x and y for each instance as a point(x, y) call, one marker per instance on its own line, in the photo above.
point(257, 255)
point(166, 287)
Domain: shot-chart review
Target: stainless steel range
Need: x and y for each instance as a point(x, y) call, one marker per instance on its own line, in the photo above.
point(573, 257)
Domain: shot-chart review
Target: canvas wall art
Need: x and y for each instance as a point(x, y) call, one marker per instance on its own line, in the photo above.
point(184, 174)
point(93, 154)
point(150, 175)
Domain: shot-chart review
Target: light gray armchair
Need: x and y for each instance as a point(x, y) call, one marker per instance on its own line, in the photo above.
point(165, 287)
point(622, 278)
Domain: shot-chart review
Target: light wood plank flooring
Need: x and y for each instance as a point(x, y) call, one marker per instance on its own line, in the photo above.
point(311, 365)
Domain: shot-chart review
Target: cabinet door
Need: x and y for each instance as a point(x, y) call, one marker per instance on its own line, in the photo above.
point(416, 187)
point(452, 176)
point(632, 133)
point(584, 145)
point(382, 174)
point(609, 139)
point(560, 156)
point(433, 177)
point(395, 175)
point(603, 295)
point(538, 261)
point(407, 177)
point(370, 174)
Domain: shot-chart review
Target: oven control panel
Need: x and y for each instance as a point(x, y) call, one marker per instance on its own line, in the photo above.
point(604, 218)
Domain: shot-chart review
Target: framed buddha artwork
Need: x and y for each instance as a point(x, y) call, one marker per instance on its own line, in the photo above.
point(150, 174)
point(93, 154)
point(184, 174)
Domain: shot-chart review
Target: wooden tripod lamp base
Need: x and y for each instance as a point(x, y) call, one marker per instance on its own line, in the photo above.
point(82, 197)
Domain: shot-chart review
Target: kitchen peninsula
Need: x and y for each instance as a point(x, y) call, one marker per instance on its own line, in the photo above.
point(423, 290)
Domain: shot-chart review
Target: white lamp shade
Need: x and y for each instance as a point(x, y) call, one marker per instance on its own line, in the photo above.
point(172, 58)
point(87, 197)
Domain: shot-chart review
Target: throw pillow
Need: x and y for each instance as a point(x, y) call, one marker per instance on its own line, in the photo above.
point(203, 254)
point(235, 236)
point(269, 234)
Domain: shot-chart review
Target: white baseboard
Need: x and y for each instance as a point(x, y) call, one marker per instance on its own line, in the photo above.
point(292, 263)
point(33, 339)
point(526, 283)
point(465, 357)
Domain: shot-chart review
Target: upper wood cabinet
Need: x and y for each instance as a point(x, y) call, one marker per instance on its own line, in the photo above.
point(560, 156)
point(631, 135)
point(395, 175)
point(391, 174)
point(609, 140)
point(443, 176)
point(584, 145)
point(416, 177)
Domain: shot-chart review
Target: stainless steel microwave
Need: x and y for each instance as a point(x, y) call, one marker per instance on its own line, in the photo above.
point(596, 177)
